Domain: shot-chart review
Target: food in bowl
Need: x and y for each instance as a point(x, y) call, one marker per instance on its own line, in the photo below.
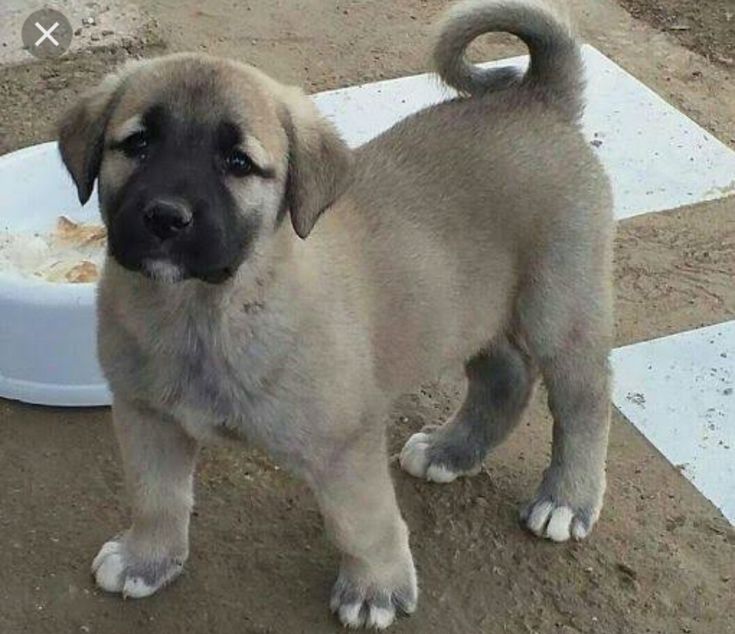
point(71, 254)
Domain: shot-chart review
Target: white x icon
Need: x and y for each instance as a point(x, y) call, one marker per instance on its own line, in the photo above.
point(47, 34)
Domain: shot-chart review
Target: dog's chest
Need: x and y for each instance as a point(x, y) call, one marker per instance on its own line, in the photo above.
point(204, 377)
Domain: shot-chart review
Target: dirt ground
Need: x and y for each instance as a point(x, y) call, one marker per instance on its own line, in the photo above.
point(707, 26)
point(662, 559)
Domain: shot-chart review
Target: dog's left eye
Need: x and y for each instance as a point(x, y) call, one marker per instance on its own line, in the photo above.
point(136, 146)
point(239, 163)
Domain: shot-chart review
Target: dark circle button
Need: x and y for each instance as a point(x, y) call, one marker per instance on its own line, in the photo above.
point(46, 34)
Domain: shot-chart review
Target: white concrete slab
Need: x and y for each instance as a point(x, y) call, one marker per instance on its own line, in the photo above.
point(657, 158)
point(679, 392)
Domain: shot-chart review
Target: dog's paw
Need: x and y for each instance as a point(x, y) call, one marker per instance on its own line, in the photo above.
point(555, 521)
point(116, 569)
point(360, 603)
point(560, 512)
point(424, 456)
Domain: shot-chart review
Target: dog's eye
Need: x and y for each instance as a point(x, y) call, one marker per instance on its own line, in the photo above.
point(136, 146)
point(239, 163)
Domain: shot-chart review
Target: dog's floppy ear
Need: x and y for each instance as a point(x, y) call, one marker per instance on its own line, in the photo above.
point(318, 161)
point(82, 134)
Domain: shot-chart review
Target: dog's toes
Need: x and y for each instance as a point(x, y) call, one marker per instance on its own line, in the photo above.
point(108, 567)
point(351, 614)
point(379, 618)
point(115, 570)
point(560, 511)
point(422, 458)
point(137, 588)
point(580, 528)
point(555, 521)
point(414, 457)
point(360, 614)
point(375, 611)
point(361, 603)
point(441, 474)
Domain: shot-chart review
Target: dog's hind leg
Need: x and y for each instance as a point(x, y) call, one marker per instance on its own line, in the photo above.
point(500, 381)
point(566, 320)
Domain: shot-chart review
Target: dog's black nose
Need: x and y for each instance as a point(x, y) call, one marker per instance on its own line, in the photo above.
point(166, 218)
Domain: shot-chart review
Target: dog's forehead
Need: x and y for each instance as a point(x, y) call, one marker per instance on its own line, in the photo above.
point(202, 92)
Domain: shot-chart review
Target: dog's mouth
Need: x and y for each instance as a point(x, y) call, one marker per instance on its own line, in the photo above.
point(167, 272)
point(167, 265)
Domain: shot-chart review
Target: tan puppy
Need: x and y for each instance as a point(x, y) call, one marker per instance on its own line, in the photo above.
point(477, 232)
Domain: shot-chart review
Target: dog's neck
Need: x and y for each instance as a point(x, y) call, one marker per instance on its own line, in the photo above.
point(233, 305)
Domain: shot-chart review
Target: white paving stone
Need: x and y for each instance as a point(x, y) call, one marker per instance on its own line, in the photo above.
point(657, 157)
point(678, 391)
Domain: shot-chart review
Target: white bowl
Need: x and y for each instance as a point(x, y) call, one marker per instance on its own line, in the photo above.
point(48, 331)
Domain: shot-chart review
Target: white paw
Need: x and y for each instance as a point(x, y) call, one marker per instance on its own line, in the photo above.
point(554, 521)
point(365, 604)
point(114, 571)
point(108, 567)
point(380, 618)
point(136, 588)
point(414, 459)
point(359, 614)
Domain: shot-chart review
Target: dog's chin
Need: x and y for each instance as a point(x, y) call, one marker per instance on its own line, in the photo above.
point(163, 271)
point(166, 272)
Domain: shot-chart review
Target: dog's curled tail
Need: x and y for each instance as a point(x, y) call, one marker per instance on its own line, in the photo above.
point(555, 74)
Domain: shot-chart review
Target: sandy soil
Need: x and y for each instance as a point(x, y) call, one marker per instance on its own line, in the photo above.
point(662, 559)
point(707, 26)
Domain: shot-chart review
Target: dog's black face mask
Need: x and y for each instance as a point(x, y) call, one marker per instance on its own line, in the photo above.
point(197, 159)
point(175, 217)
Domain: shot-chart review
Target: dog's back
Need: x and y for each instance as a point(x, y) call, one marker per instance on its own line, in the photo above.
point(463, 199)
point(506, 158)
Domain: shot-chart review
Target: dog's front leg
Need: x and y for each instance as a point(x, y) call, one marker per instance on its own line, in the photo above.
point(377, 578)
point(158, 459)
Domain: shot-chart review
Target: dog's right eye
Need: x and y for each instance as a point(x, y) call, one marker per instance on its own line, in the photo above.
point(136, 146)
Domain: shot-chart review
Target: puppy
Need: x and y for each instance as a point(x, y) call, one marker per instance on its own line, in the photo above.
point(266, 283)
